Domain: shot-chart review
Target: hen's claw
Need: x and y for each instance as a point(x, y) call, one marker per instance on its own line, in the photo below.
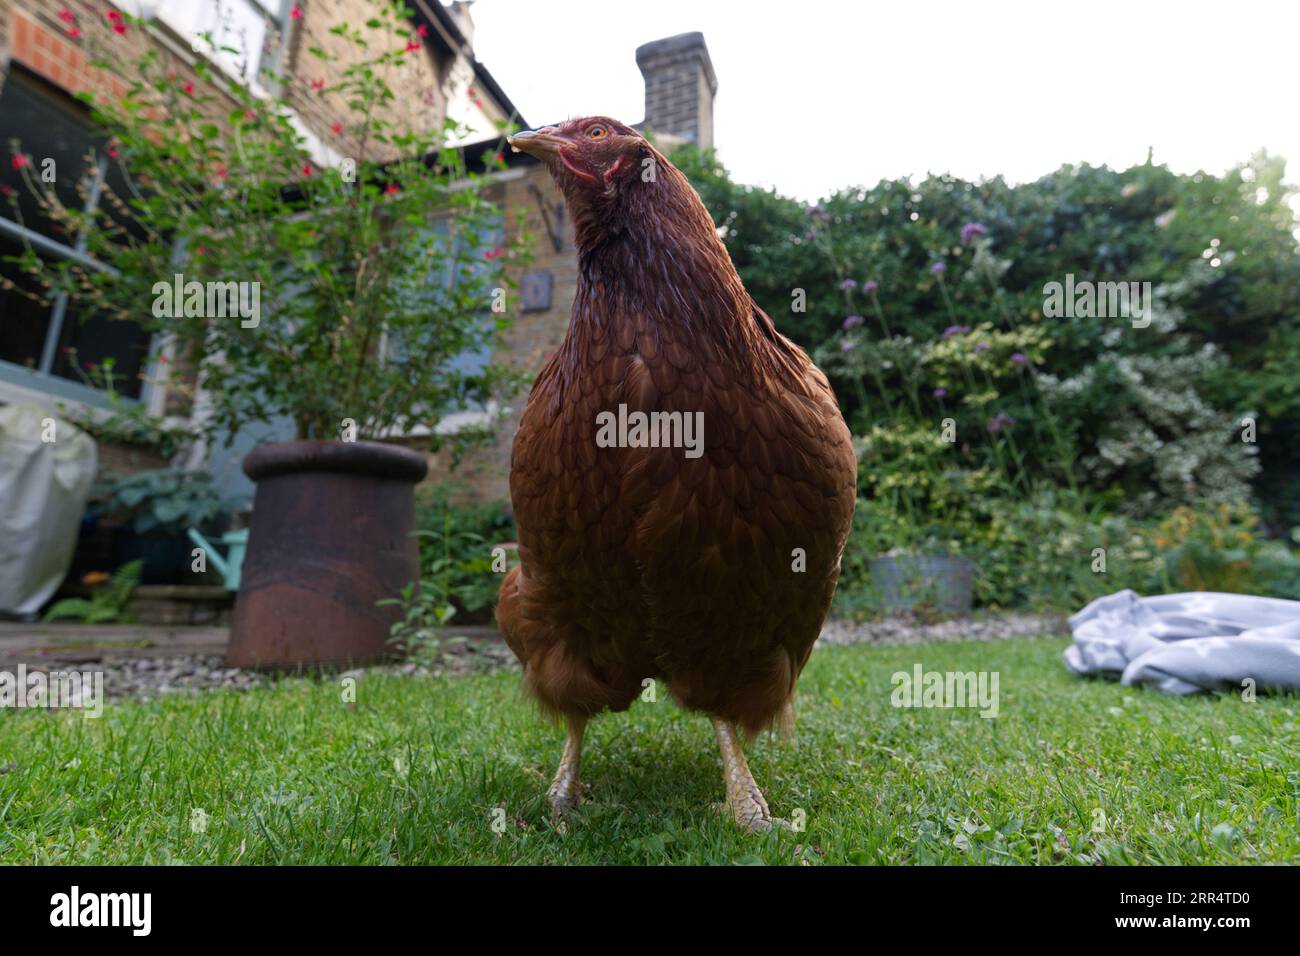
point(745, 802)
point(566, 791)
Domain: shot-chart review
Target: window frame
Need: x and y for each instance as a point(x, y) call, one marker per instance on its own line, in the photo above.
point(18, 382)
point(276, 14)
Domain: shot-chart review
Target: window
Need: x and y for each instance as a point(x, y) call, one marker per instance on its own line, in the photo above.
point(248, 34)
point(53, 347)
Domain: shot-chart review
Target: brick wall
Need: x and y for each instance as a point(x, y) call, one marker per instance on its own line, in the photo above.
point(484, 473)
point(32, 33)
point(419, 104)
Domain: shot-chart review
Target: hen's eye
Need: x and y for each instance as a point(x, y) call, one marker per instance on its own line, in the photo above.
point(596, 132)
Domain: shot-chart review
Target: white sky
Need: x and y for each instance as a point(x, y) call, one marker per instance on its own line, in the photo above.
point(818, 94)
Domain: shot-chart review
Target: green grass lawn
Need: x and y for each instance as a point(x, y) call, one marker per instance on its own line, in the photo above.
point(415, 771)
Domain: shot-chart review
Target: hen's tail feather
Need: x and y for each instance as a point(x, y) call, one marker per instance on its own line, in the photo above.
point(785, 723)
point(508, 613)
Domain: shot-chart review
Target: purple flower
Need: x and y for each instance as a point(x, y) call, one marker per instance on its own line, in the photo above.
point(971, 230)
point(940, 392)
point(1019, 358)
point(1000, 421)
point(853, 321)
point(848, 285)
point(952, 330)
point(848, 345)
point(937, 268)
point(981, 346)
point(870, 286)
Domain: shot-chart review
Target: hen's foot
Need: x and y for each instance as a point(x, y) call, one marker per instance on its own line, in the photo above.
point(566, 790)
point(745, 802)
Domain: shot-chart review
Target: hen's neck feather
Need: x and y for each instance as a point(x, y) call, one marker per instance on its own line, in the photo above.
point(653, 256)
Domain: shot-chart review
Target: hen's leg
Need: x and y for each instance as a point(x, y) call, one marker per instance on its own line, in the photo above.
point(744, 800)
point(566, 789)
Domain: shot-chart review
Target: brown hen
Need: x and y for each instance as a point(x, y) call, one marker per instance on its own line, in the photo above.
point(708, 564)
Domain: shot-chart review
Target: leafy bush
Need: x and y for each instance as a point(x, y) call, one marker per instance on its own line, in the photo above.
point(355, 305)
point(1221, 255)
point(1219, 549)
point(1043, 553)
point(161, 499)
point(456, 552)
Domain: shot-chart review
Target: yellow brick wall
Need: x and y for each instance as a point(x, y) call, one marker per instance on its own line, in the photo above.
point(484, 473)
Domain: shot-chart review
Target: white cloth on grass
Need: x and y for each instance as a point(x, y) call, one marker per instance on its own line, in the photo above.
point(1184, 643)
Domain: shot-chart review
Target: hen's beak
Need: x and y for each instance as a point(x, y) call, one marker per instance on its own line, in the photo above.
point(538, 142)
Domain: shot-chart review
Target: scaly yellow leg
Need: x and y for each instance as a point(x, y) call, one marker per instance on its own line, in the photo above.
point(566, 789)
point(744, 800)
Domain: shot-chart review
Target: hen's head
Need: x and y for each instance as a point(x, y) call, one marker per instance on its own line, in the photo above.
point(602, 166)
point(587, 156)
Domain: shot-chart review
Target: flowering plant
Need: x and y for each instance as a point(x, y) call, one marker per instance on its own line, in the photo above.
point(358, 286)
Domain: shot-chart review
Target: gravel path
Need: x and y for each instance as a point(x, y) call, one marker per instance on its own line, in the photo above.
point(906, 630)
point(150, 677)
point(145, 678)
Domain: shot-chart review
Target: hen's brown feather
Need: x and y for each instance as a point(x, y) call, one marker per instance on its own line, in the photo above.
point(640, 562)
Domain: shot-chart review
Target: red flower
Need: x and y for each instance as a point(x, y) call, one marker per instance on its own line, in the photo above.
point(496, 253)
point(20, 161)
point(392, 188)
point(119, 28)
point(67, 16)
point(306, 169)
point(498, 157)
point(296, 12)
point(318, 84)
point(112, 152)
point(337, 129)
point(422, 30)
point(73, 32)
point(188, 88)
point(412, 46)
point(114, 16)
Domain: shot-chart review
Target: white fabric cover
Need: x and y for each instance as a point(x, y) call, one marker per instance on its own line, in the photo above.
point(1184, 643)
point(43, 491)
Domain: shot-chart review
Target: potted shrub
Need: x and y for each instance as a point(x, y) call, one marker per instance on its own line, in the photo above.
point(332, 297)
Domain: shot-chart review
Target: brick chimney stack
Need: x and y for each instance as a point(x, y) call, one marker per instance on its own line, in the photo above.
point(679, 88)
point(464, 19)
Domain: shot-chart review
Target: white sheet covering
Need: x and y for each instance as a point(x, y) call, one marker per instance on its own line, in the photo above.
point(43, 490)
point(1184, 643)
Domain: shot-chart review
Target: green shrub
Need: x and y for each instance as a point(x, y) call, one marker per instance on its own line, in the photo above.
point(456, 552)
point(107, 605)
point(1221, 255)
